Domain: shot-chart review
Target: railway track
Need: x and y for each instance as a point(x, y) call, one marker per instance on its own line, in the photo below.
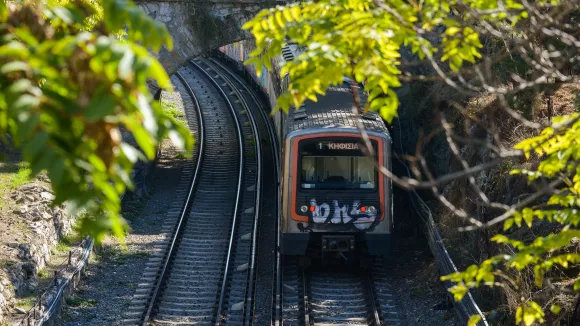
point(342, 297)
point(235, 303)
point(201, 269)
point(324, 297)
point(205, 270)
point(148, 284)
point(259, 304)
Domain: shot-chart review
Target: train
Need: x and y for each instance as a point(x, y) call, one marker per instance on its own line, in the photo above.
point(334, 202)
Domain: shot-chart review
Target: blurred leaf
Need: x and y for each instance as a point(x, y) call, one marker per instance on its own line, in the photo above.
point(68, 90)
point(100, 107)
point(473, 320)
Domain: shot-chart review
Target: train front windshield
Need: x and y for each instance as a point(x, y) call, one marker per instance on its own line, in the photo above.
point(337, 172)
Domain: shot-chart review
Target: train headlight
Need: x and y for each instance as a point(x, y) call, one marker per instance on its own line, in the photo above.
point(304, 208)
point(372, 210)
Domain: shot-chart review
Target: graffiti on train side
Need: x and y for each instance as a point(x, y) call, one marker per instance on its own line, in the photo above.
point(342, 215)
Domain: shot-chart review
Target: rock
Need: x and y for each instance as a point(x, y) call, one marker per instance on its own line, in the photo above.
point(46, 195)
point(14, 195)
point(24, 253)
point(22, 210)
point(47, 224)
point(35, 214)
point(32, 285)
point(43, 177)
point(29, 268)
point(28, 187)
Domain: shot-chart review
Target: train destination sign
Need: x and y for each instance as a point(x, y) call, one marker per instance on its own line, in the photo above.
point(338, 146)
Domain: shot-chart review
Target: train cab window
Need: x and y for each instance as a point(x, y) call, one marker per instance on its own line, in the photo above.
point(337, 172)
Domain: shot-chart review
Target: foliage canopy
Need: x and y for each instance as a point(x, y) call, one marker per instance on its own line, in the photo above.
point(362, 39)
point(69, 85)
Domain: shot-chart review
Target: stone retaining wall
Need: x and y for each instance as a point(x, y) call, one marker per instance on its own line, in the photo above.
point(47, 225)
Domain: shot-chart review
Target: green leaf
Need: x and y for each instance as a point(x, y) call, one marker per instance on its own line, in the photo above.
point(35, 144)
point(576, 285)
point(14, 50)
point(555, 309)
point(100, 107)
point(452, 31)
point(528, 216)
point(13, 66)
point(473, 320)
point(56, 171)
point(148, 118)
point(64, 14)
point(126, 63)
point(24, 102)
point(176, 139)
point(132, 153)
point(144, 141)
point(508, 224)
point(3, 10)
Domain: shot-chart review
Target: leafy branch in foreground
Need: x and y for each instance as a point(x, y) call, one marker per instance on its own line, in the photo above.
point(561, 160)
point(66, 91)
point(363, 39)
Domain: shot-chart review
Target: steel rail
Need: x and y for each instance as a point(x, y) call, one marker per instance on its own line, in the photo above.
point(305, 298)
point(234, 221)
point(374, 318)
point(172, 248)
point(278, 278)
point(257, 102)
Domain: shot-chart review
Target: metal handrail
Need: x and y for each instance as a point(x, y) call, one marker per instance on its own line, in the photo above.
point(45, 315)
point(467, 306)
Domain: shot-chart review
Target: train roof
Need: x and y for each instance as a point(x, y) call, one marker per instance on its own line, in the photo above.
point(334, 109)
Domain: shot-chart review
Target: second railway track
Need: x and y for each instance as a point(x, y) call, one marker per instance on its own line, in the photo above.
point(202, 277)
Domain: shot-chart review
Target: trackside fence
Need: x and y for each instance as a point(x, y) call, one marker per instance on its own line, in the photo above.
point(66, 277)
point(467, 307)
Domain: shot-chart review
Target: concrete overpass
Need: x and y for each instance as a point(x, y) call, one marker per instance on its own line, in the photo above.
point(200, 25)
